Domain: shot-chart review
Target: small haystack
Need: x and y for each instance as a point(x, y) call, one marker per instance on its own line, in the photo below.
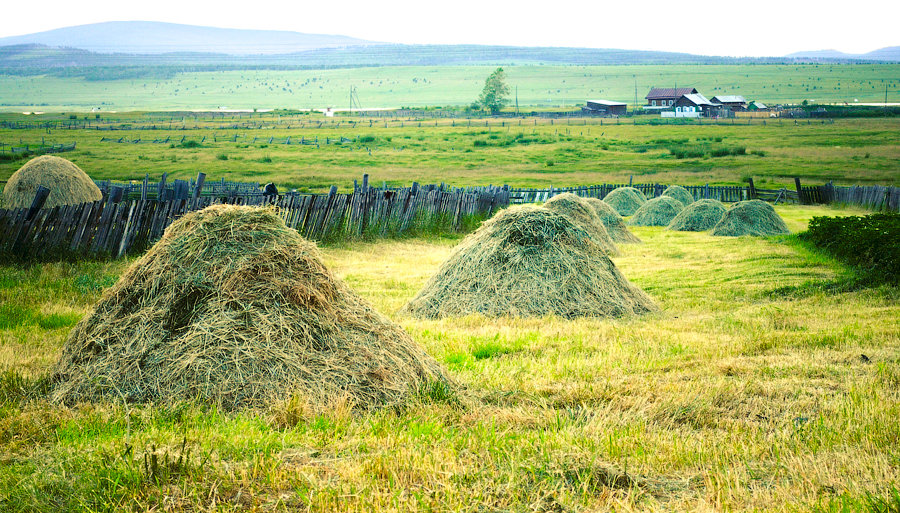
point(233, 307)
point(699, 216)
point(626, 200)
point(752, 217)
point(529, 262)
point(680, 193)
point(580, 212)
point(68, 184)
point(657, 212)
point(613, 222)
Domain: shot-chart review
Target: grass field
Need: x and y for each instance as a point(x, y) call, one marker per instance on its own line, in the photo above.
point(392, 86)
point(516, 152)
point(765, 384)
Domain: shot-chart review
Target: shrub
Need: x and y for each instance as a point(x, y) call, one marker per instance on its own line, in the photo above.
point(870, 243)
point(222, 156)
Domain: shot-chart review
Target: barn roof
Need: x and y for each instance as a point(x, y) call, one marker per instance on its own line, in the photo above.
point(678, 92)
point(609, 103)
point(759, 105)
point(697, 99)
point(729, 99)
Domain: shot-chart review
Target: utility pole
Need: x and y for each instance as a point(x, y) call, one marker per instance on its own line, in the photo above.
point(517, 100)
point(635, 93)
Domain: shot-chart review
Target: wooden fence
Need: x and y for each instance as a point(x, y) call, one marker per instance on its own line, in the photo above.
point(874, 197)
point(128, 226)
point(36, 149)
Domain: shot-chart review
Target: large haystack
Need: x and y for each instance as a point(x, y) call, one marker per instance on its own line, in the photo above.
point(68, 184)
point(752, 217)
point(626, 200)
point(529, 262)
point(680, 193)
point(657, 212)
point(699, 216)
point(234, 308)
point(613, 222)
point(579, 211)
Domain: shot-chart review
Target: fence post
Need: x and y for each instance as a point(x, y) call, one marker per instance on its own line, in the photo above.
point(40, 197)
point(800, 197)
point(201, 177)
point(751, 188)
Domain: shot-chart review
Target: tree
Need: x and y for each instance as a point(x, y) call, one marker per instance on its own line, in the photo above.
point(494, 95)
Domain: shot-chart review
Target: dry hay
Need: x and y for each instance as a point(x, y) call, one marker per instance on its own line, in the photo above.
point(680, 193)
point(613, 222)
point(580, 212)
point(657, 212)
point(529, 262)
point(68, 184)
point(699, 216)
point(626, 200)
point(753, 217)
point(234, 308)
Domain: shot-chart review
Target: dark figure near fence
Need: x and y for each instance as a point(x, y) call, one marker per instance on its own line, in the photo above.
point(270, 192)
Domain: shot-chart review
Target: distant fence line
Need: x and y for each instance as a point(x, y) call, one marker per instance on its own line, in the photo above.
point(35, 149)
point(874, 197)
point(119, 226)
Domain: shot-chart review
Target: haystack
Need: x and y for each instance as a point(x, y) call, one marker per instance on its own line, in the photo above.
point(529, 262)
point(613, 222)
point(626, 200)
point(753, 217)
point(68, 184)
point(680, 193)
point(699, 216)
point(234, 308)
point(657, 212)
point(580, 212)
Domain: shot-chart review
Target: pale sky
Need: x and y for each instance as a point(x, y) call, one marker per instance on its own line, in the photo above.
point(760, 28)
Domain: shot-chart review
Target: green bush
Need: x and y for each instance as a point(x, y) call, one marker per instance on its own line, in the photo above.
point(870, 243)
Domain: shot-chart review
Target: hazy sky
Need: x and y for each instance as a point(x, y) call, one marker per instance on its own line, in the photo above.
point(763, 27)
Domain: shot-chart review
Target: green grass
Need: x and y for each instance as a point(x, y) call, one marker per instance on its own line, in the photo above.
point(395, 86)
point(740, 395)
point(517, 152)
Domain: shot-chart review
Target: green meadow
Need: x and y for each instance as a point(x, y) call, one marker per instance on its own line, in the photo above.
point(519, 152)
point(537, 86)
point(769, 381)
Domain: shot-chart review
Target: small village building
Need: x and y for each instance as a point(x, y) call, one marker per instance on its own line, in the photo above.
point(733, 103)
point(663, 98)
point(755, 105)
point(605, 108)
point(694, 105)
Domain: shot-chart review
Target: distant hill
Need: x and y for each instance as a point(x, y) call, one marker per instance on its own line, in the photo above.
point(889, 53)
point(151, 37)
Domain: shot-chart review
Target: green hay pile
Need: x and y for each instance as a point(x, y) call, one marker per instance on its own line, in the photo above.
point(68, 184)
point(580, 212)
point(234, 308)
point(752, 217)
point(699, 216)
point(529, 262)
point(626, 200)
point(680, 193)
point(613, 222)
point(657, 212)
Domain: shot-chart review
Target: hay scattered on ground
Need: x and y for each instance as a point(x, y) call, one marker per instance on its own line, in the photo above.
point(753, 217)
point(613, 222)
point(657, 212)
point(234, 308)
point(529, 262)
point(626, 200)
point(680, 193)
point(699, 216)
point(582, 214)
point(68, 184)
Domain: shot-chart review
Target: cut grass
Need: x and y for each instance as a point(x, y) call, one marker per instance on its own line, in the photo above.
point(732, 398)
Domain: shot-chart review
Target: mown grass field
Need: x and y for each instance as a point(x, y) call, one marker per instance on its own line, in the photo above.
point(766, 383)
point(395, 86)
point(519, 152)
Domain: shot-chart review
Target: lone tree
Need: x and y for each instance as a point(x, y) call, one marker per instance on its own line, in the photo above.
point(494, 95)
